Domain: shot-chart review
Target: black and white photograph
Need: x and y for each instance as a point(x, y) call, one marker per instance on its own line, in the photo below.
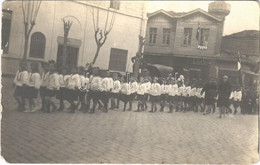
point(130, 82)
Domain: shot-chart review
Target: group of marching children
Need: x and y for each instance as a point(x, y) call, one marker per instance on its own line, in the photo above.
point(51, 85)
point(80, 88)
point(175, 94)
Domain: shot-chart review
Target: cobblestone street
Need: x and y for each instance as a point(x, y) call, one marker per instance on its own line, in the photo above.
point(126, 137)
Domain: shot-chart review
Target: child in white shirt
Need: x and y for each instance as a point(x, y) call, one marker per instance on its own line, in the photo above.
point(73, 89)
point(181, 97)
point(115, 90)
point(148, 84)
point(193, 97)
point(140, 96)
point(63, 91)
point(106, 87)
point(164, 93)
point(44, 80)
point(20, 80)
point(173, 92)
point(133, 90)
point(237, 97)
point(52, 87)
point(155, 92)
point(95, 88)
point(125, 92)
point(187, 98)
point(82, 88)
point(33, 86)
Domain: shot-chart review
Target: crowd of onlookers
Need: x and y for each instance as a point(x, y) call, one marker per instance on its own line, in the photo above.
point(85, 88)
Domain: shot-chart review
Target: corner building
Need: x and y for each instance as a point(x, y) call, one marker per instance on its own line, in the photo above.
point(46, 39)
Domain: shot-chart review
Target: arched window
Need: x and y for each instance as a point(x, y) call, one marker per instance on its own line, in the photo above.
point(37, 47)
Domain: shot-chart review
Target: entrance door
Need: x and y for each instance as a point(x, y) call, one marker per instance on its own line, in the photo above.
point(72, 56)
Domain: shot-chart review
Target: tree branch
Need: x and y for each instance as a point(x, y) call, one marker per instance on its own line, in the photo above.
point(102, 43)
point(29, 32)
point(37, 9)
point(101, 37)
point(96, 32)
point(106, 20)
point(23, 11)
point(93, 19)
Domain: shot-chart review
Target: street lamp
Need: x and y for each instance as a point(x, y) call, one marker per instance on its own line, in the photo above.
point(67, 22)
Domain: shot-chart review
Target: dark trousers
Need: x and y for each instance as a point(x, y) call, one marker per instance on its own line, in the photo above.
point(82, 98)
point(104, 96)
point(162, 101)
point(94, 95)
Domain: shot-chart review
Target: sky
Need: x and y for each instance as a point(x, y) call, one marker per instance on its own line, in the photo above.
point(244, 15)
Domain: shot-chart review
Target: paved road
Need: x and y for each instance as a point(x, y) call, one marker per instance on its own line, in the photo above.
point(126, 137)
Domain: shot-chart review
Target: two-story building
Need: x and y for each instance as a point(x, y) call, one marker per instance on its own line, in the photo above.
point(247, 44)
point(190, 42)
point(46, 39)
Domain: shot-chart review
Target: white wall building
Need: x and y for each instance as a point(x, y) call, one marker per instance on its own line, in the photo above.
point(46, 39)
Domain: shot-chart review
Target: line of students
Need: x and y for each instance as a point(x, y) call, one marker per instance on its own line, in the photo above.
point(80, 89)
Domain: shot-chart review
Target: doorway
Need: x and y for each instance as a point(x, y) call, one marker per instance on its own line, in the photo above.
point(72, 56)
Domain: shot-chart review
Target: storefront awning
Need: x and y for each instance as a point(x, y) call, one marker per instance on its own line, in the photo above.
point(159, 70)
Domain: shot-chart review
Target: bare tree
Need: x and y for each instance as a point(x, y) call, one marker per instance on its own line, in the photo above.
point(30, 11)
point(138, 58)
point(101, 34)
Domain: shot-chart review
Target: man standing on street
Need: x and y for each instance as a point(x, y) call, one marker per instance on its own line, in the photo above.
point(224, 91)
point(210, 94)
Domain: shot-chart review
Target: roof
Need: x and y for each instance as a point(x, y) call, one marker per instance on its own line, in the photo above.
point(245, 33)
point(173, 14)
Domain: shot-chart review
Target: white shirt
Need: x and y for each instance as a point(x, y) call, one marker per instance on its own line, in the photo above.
point(45, 79)
point(53, 82)
point(111, 82)
point(147, 87)
point(86, 86)
point(116, 86)
point(141, 89)
point(155, 89)
point(173, 91)
point(237, 95)
point(181, 90)
point(106, 84)
point(21, 78)
point(74, 82)
point(83, 82)
point(133, 87)
point(193, 92)
point(198, 93)
point(34, 80)
point(186, 92)
point(231, 97)
point(64, 80)
point(164, 89)
point(125, 89)
point(96, 83)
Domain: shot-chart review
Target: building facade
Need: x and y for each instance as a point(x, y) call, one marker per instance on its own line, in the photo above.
point(46, 39)
point(191, 43)
point(246, 43)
